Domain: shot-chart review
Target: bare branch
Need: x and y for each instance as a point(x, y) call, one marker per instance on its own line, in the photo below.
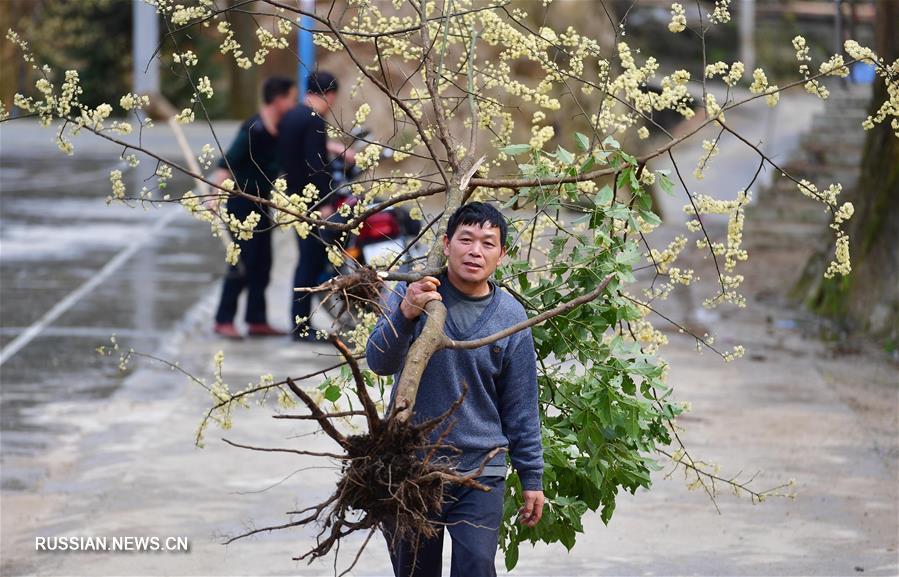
point(326, 426)
point(281, 450)
point(535, 320)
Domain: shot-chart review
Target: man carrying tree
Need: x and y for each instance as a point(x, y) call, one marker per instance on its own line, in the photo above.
point(499, 382)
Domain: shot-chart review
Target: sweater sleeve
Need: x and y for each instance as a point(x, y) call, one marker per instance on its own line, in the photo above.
point(517, 391)
point(390, 340)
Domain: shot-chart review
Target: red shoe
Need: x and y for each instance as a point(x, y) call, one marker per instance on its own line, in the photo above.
point(264, 330)
point(227, 330)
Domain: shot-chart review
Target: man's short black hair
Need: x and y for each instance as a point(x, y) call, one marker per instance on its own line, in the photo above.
point(478, 213)
point(275, 87)
point(321, 82)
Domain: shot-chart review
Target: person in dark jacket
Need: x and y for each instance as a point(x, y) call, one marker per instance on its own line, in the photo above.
point(500, 405)
point(304, 151)
point(252, 164)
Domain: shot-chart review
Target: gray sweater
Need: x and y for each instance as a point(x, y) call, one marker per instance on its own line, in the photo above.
point(500, 407)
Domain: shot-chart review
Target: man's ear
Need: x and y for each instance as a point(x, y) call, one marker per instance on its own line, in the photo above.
point(445, 245)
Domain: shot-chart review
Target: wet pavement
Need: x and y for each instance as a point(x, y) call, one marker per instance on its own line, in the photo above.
point(56, 234)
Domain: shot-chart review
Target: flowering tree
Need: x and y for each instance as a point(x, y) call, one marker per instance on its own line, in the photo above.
point(469, 126)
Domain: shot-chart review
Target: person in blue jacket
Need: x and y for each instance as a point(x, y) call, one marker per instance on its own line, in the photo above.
point(500, 404)
point(305, 152)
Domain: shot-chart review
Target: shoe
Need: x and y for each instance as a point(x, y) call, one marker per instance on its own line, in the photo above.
point(263, 330)
point(227, 330)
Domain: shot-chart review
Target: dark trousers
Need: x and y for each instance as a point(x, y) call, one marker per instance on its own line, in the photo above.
point(473, 518)
point(256, 262)
point(313, 260)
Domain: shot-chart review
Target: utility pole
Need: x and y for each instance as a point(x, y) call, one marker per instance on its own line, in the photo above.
point(145, 67)
point(747, 35)
point(838, 27)
point(306, 65)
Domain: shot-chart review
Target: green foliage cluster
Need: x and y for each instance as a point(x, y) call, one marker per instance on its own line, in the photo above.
point(87, 36)
point(604, 403)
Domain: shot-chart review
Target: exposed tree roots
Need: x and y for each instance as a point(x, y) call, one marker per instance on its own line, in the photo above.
point(393, 477)
point(346, 293)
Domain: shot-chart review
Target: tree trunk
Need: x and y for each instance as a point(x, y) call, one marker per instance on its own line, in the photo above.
point(243, 95)
point(868, 299)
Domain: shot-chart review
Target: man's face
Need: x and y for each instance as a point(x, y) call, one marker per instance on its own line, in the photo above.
point(474, 252)
point(321, 103)
point(284, 103)
point(330, 99)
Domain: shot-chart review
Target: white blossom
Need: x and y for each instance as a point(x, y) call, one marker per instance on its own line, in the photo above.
point(678, 18)
point(204, 87)
point(232, 255)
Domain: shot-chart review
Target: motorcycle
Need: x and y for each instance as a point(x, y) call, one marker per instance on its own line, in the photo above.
point(383, 237)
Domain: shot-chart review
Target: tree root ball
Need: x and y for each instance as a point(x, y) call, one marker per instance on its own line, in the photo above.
point(391, 477)
point(394, 478)
point(361, 289)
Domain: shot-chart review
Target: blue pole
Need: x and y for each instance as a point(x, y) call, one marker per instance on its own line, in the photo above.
point(307, 49)
point(145, 32)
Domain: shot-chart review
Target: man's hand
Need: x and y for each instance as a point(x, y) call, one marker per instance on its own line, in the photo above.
point(337, 148)
point(418, 295)
point(532, 510)
point(326, 211)
point(212, 204)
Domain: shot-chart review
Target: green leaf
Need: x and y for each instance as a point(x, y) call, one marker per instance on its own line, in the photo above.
point(564, 156)
point(634, 181)
point(604, 196)
point(628, 386)
point(588, 164)
point(523, 282)
point(599, 424)
point(610, 142)
point(620, 212)
point(627, 158)
point(604, 408)
point(624, 177)
point(607, 509)
point(630, 255)
point(332, 393)
point(516, 149)
point(511, 555)
point(582, 141)
point(665, 183)
point(615, 381)
point(650, 217)
point(644, 201)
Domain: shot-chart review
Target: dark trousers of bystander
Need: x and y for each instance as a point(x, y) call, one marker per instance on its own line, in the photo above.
point(472, 518)
point(253, 275)
point(313, 259)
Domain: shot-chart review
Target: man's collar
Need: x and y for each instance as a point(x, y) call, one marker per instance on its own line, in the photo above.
point(454, 288)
